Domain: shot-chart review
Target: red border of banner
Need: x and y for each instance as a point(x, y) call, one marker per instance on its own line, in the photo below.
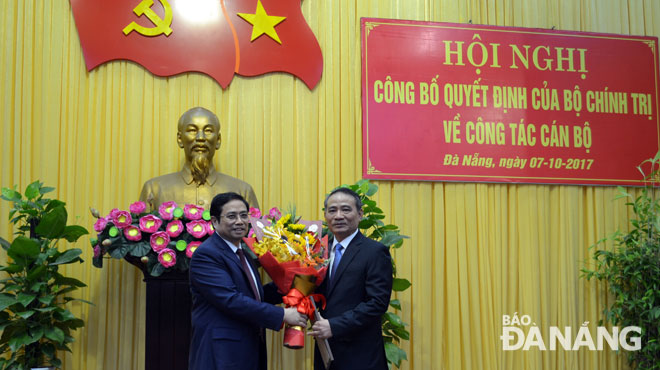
point(398, 166)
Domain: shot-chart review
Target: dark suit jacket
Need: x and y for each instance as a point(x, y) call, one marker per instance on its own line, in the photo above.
point(356, 298)
point(227, 321)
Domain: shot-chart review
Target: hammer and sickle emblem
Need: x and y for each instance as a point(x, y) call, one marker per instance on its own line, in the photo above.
point(161, 25)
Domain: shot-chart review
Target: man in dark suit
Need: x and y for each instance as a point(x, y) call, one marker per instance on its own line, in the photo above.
point(229, 303)
point(357, 290)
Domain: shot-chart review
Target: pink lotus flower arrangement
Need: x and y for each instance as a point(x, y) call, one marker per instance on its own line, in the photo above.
point(160, 241)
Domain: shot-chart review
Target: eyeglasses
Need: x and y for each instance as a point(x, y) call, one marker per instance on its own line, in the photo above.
point(232, 217)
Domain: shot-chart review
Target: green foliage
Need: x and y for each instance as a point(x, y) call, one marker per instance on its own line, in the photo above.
point(33, 318)
point(372, 225)
point(632, 270)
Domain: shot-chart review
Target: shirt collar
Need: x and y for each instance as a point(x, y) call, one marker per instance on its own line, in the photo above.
point(187, 177)
point(230, 244)
point(346, 241)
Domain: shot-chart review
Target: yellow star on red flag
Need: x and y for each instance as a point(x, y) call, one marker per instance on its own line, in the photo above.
point(262, 23)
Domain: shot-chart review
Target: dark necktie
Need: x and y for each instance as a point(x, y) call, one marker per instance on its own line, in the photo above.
point(338, 252)
point(248, 273)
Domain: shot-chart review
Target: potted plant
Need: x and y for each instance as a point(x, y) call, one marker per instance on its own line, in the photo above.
point(631, 270)
point(34, 320)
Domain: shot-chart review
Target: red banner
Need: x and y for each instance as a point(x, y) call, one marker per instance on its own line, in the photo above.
point(458, 102)
point(215, 37)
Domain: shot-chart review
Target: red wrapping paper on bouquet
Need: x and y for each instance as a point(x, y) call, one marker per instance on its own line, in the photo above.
point(299, 278)
point(300, 296)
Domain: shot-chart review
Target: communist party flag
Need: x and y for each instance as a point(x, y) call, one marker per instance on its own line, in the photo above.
point(215, 37)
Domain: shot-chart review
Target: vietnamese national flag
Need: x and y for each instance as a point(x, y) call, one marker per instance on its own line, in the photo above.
point(299, 53)
point(169, 37)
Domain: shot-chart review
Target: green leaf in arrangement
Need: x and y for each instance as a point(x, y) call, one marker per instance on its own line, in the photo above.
point(12, 268)
point(49, 350)
point(399, 285)
point(4, 244)
point(47, 299)
point(364, 188)
point(402, 333)
point(36, 334)
point(120, 251)
point(45, 190)
point(7, 300)
point(54, 204)
point(63, 281)
point(54, 333)
point(68, 256)
point(10, 195)
point(394, 303)
point(57, 363)
point(23, 250)
point(75, 324)
point(19, 340)
point(70, 299)
point(157, 270)
point(64, 315)
point(392, 238)
point(25, 299)
point(13, 287)
point(394, 319)
point(25, 314)
point(73, 232)
point(37, 286)
point(32, 190)
point(141, 249)
point(24, 247)
point(373, 188)
point(36, 272)
point(47, 309)
point(53, 223)
point(394, 354)
point(366, 223)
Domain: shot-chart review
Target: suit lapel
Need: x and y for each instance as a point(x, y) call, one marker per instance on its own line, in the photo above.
point(351, 251)
point(227, 252)
point(231, 256)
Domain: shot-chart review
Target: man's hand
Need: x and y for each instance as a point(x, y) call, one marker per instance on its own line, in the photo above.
point(321, 329)
point(293, 317)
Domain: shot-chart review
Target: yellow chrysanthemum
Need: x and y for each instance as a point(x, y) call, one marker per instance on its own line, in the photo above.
point(287, 243)
point(296, 228)
point(283, 221)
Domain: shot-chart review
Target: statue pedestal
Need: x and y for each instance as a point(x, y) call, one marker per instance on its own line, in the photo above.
point(168, 326)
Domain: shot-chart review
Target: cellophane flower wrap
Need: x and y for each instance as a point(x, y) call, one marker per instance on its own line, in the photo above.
point(296, 258)
point(159, 241)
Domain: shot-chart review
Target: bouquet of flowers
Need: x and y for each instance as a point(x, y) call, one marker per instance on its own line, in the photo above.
point(295, 257)
point(159, 241)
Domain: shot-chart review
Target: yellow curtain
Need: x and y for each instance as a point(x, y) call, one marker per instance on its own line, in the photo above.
point(477, 251)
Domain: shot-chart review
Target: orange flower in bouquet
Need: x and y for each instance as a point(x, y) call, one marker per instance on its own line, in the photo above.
point(295, 257)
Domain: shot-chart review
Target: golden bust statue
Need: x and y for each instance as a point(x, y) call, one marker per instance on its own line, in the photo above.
point(198, 181)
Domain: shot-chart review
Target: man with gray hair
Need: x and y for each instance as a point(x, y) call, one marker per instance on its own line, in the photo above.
point(357, 289)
